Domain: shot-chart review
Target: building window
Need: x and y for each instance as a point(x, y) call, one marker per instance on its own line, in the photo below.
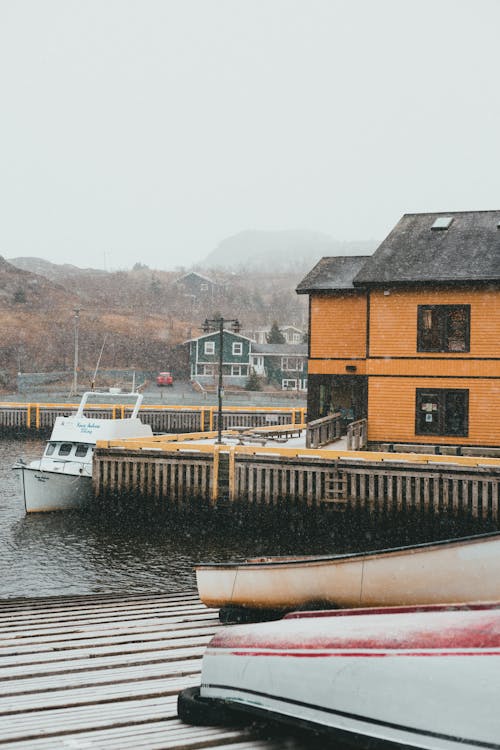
point(239, 370)
point(206, 370)
point(443, 328)
point(292, 364)
point(289, 384)
point(209, 347)
point(237, 348)
point(442, 412)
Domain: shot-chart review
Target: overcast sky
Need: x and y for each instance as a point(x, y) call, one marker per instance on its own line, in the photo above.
point(150, 130)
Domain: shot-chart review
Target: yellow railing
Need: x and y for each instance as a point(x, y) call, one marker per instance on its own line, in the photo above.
point(118, 411)
point(169, 443)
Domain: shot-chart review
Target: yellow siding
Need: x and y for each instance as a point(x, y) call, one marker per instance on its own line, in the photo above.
point(336, 366)
point(463, 368)
point(391, 410)
point(393, 321)
point(338, 326)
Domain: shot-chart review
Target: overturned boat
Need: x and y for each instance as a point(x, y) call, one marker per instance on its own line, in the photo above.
point(455, 570)
point(62, 478)
point(420, 677)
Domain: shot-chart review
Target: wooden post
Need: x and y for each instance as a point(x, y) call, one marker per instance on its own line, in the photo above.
point(232, 474)
point(215, 475)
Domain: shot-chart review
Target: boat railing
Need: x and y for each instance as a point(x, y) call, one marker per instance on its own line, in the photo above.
point(136, 406)
point(323, 431)
point(357, 435)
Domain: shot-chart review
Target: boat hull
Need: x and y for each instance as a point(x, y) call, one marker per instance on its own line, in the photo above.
point(45, 491)
point(457, 571)
point(423, 679)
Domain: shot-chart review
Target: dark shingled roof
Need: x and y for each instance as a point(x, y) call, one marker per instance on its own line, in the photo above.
point(332, 274)
point(281, 349)
point(469, 250)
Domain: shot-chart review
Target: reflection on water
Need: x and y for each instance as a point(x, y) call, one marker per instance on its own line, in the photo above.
point(79, 553)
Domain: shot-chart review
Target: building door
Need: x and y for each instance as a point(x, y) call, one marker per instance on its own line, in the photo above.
point(329, 393)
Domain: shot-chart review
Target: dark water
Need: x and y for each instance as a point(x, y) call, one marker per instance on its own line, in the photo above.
point(45, 554)
point(81, 553)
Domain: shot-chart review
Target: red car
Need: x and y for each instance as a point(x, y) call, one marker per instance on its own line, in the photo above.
point(164, 378)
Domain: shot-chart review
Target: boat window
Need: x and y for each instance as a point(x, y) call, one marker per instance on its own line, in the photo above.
point(65, 449)
point(81, 450)
point(50, 449)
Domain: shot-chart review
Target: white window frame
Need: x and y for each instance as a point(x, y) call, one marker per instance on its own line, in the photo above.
point(298, 364)
point(237, 348)
point(239, 370)
point(209, 347)
point(285, 384)
point(206, 369)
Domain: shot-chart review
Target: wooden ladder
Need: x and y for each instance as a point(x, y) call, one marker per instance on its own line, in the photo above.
point(336, 488)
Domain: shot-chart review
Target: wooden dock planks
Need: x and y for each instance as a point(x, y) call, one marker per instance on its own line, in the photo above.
point(104, 671)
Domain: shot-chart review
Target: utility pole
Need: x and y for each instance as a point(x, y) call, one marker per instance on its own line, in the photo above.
point(213, 325)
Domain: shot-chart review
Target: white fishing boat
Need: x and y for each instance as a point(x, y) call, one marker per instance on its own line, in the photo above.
point(62, 478)
point(455, 570)
point(420, 677)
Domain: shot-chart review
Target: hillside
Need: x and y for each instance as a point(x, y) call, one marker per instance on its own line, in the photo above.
point(53, 271)
point(141, 316)
point(296, 250)
point(23, 290)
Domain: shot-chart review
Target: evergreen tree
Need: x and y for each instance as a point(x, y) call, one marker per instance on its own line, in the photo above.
point(275, 336)
point(253, 383)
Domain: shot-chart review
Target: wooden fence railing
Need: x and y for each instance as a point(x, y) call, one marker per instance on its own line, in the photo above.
point(176, 419)
point(323, 431)
point(357, 435)
point(179, 473)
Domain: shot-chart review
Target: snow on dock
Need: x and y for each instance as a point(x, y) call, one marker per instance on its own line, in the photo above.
point(104, 671)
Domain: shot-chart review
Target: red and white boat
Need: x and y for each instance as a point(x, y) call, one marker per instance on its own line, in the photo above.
point(421, 677)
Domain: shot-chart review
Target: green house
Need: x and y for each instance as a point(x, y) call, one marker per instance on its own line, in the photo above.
point(204, 358)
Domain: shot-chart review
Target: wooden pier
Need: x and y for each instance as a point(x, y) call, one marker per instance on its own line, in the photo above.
point(33, 417)
point(104, 671)
point(179, 474)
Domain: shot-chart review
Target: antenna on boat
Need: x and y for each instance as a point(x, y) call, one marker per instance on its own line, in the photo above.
point(76, 320)
point(92, 384)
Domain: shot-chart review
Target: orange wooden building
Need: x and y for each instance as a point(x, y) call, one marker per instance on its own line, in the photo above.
point(410, 337)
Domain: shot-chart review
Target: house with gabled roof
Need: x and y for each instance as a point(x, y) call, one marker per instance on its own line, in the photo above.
point(283, 364)
point(198, 285)
point(409, 338)
point(204, 358)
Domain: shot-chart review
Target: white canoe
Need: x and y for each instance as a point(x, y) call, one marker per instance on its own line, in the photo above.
point(451, 571)
point(422, 677)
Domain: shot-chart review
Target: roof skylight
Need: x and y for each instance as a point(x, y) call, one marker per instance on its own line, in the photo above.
point(442, 222)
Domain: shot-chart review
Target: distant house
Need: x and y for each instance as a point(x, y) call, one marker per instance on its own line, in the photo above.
point(409, 338)
point(285, 364)
point(196, 284)
point(292, 334)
